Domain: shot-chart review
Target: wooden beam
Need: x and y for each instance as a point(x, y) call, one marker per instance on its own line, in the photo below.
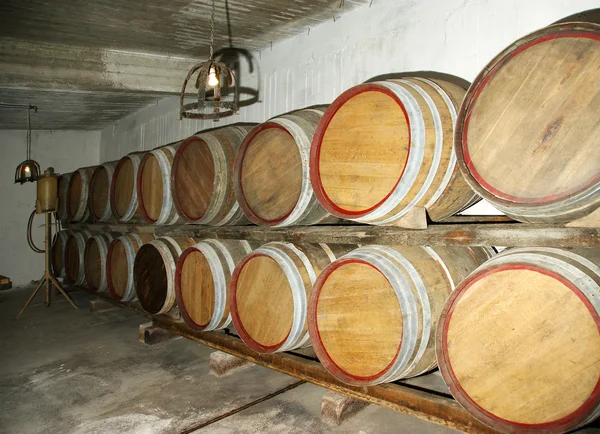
point(495, 234)
point(473, 234)
point(403, 398)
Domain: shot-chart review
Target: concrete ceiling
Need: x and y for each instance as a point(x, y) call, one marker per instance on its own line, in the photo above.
point(88, 63)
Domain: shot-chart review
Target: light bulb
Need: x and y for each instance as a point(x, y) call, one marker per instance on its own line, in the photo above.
point(27, 171)
point(212, 77)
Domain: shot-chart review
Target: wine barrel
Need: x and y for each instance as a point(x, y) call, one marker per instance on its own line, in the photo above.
point(78, 194)
point(384, 148)
point(123, 191)
point(74, 257)
point(154, 186)
point(154, 272)
point(100, 186)
point(527, 133)
point(58, 253)
point(202, 177)
point(269, 291)
point(202, 277)
point(63, 188)
point(271, 177)
point(94, 260)
point(518, 342)
point(119, 264)
point(373, 313)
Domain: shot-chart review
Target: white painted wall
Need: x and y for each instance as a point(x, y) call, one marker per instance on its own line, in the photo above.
point(63, 150)
point(456, 37)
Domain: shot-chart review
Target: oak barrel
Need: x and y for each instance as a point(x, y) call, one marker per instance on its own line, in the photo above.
point(528, 130)
point(123, 191)
point(154, 272)
point(119, 264)
point(384, 148)
point(63, 188)
point(202, 277)
point(269, 291)
point(373, 313)
point(74, 257)
point(94, 260)
point(78, 194)
point(202, 177)
point(58, 253)
point(272, 179)
point(518, 343)
point(153, 185)
point(100, 184)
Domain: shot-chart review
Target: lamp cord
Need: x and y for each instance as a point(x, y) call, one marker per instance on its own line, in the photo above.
point(228, 24)
point(212, 29)
point(29, 133)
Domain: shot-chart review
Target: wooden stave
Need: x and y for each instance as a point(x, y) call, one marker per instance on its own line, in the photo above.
point(452, 195)
point(63, 187)
point(222, 255)
point(60, 239)
point(82, 213)
point(168, 214)
point(456, 189)
point(132, 243)
point(105, 214)
point(312, 259)
point(301, 124)
point(391, 260)
point(80, 238)
point(132, 210)
point(586, 261)
point(103, 240)
point(170, 249)
point(574, 206)
point(224, 144)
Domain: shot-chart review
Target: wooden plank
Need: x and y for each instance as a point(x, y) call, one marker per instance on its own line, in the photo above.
point(403, 399)
point(431, 406)
point(475, 234)
point(500, 234)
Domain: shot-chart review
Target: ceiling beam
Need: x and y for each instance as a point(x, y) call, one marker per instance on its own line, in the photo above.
point(28, 66)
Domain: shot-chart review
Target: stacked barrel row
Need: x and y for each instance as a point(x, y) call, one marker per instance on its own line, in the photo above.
point(369, 312)
point(380, 151)
point(524, 141)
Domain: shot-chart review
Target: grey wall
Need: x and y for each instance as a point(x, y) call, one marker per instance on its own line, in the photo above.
point(63, 150)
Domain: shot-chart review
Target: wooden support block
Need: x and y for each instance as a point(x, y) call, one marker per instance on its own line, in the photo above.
point(337, 408)
point(100, 306)
point(416, 218)
point(152, 335)
point(591, 220)
point(223, 364)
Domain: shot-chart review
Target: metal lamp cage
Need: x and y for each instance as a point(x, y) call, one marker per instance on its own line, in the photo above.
point(213, 102)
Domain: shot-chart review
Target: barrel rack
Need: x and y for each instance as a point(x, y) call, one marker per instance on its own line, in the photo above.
point(416, 398)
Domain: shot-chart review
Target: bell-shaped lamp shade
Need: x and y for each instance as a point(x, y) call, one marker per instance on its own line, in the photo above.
point(27, 171)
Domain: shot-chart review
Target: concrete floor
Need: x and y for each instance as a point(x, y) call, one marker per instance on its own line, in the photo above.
point(70, 371)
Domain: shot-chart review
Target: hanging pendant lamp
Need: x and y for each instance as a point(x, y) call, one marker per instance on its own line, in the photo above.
point(218, 93)
point(29, 170)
